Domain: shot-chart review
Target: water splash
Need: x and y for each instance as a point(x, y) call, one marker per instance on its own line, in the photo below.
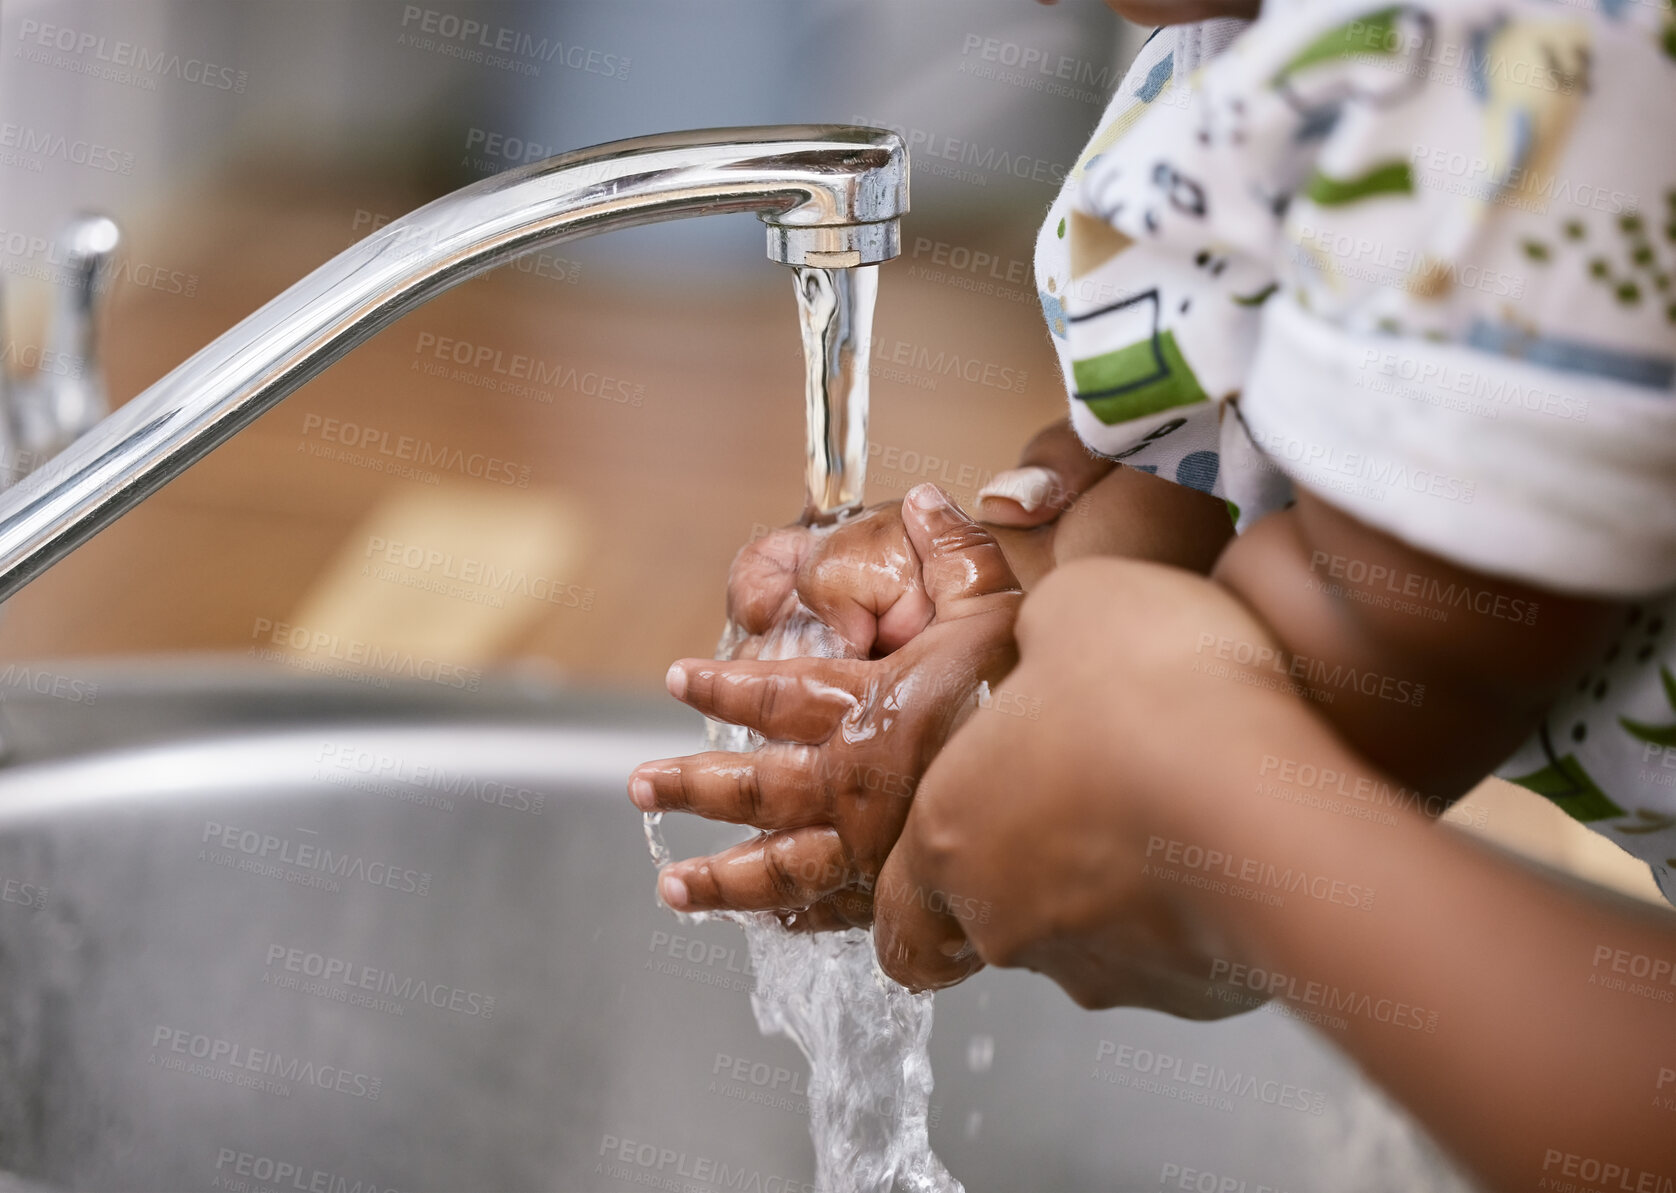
point(865, 1037)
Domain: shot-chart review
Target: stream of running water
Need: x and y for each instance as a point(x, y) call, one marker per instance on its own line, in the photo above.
point(865, 1037)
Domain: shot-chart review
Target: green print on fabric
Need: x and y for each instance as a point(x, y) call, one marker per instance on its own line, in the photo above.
point(1372, 34)
point(1133, 382)
point(1656, 735)
point(1391, 178)
point(1646, 821)
point(1641, 257)
point(1568, 786)
point(1257, 299)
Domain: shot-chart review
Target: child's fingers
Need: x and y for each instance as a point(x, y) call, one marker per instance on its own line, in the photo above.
point(778, 786)
point(762, 577)
point(1053, 470)
point(781, 871)
point(863, 581)
point(959, 559)
point(793, 700)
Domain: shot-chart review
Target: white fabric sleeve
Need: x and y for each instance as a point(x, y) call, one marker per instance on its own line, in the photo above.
point(1410, 243)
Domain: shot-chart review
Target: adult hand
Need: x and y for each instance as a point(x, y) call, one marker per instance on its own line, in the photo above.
point(1034, 842)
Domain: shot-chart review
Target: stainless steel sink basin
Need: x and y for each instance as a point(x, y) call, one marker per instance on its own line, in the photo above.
point(260, 932)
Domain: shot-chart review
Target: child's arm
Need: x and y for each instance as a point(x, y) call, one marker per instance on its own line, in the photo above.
point(1178, 832)
point(1436, 703)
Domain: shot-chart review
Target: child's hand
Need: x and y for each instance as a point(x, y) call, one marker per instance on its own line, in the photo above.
point(861, 579)
point(848, 738)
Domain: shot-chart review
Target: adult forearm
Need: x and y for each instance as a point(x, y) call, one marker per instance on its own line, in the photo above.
point(1527, 1021)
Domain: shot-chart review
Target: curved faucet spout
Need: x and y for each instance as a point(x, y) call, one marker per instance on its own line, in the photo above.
point(831, 195)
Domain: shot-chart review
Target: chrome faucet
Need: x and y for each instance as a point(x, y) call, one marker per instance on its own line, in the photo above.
point(831, 196)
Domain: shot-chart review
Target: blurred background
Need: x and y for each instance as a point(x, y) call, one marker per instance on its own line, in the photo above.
point(665, 422)
point(629, 408)
point(618, 415)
